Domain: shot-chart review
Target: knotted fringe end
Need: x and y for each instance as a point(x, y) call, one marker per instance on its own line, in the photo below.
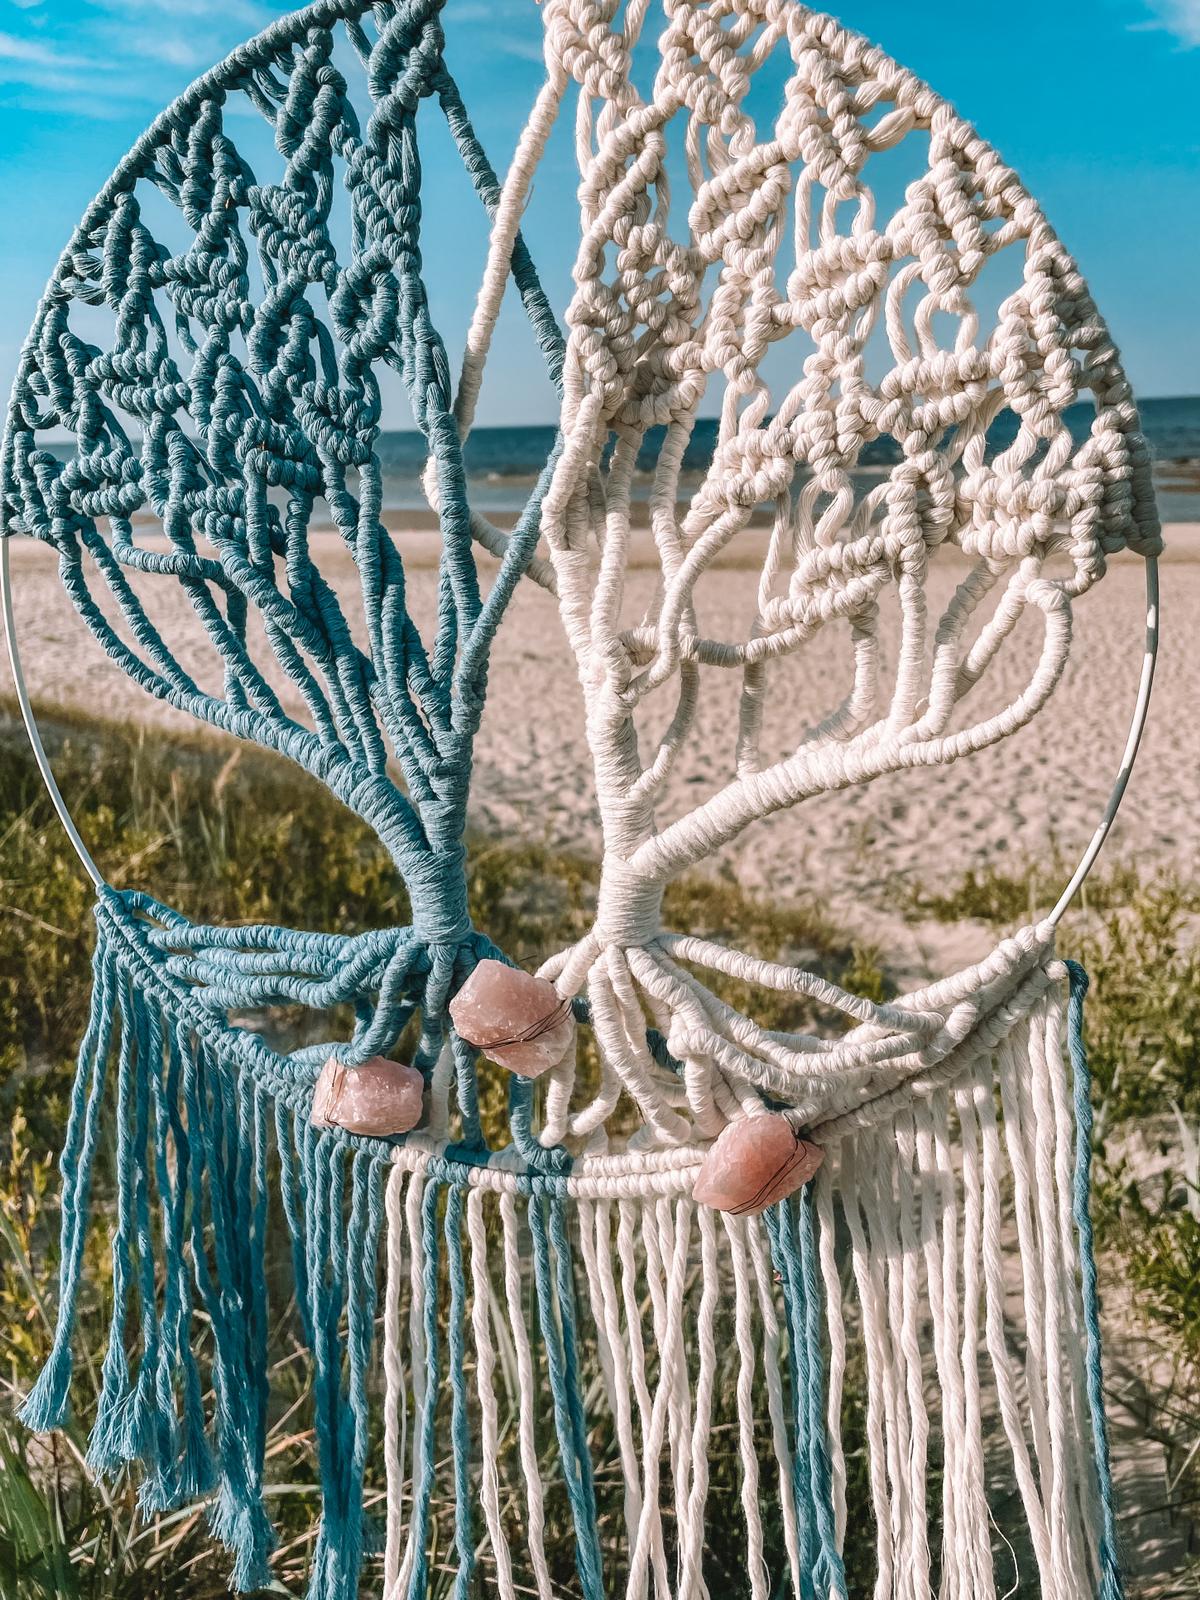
point(190, 1274)
point(588, 1381)
point(972, 1295)
point(628, 1348)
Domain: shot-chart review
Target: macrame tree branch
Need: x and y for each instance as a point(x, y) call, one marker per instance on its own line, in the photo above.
point(212, 414)
point(784, 241)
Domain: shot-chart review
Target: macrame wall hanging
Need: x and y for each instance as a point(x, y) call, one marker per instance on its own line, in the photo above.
point(711, 1235)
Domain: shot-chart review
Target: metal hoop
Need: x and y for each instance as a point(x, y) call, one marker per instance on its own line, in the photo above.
point(1137, 728)
point(30, 721)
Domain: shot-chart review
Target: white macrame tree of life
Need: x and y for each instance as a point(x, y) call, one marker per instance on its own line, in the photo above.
point(783, 240)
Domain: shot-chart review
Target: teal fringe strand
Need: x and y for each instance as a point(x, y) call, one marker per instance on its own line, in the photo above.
point(194, 1126)
point(555, 1288)
point(1111, 1587)
point(202, 1113)
point(464, 1542)
point(47, 1405)
point(341, 1283)
point(793, 1251)
point(427, 1424)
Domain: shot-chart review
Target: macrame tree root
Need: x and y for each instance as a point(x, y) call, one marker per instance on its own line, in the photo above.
point(720, 1064)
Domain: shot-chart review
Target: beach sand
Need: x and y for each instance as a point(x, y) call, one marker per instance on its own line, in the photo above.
point(1038, 795)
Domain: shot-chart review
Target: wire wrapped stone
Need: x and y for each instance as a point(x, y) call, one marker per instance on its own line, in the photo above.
point(754, 1163)
point(379, 1098)
point(518, 1020)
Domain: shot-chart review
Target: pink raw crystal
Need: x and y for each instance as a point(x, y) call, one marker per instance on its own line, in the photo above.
point(379, 1098)
point(753, 1163)
point(517, 1020)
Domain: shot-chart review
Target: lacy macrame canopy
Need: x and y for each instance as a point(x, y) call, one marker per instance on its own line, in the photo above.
point(212, 344)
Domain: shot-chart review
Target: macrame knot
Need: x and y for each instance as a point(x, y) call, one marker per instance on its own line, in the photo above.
point(629, 908)
point(437, 888)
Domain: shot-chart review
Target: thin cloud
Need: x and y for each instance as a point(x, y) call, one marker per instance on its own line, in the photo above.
point(96, 53)
point(38, 68)
point(32, 53)
point(237, 11)
point(1180, 18)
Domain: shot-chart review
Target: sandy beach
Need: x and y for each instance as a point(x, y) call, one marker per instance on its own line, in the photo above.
point(1037, 795)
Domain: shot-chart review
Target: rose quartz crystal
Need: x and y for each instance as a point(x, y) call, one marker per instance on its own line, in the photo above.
point(379, 1098)
point(517, 1020)
point(754, 1162)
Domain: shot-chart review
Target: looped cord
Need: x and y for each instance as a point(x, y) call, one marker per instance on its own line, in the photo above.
point(222, 415)
point(967, 429)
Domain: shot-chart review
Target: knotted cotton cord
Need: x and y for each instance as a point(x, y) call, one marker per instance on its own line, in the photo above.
point(784, 237)
point(229, 452)
point(700, 1325)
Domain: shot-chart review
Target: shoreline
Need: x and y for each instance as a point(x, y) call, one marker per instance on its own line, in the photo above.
point(1033, 797)
point(420, 542)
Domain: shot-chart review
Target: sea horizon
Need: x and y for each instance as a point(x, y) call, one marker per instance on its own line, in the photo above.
point(503, 461)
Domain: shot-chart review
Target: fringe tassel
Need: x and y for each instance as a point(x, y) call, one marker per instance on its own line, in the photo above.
point(556, 1346)
point(194, 1126)
point(958, 1386)
point(47, 1405)
point(673, 1361)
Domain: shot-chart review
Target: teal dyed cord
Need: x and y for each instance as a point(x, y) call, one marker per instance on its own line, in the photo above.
point(460, 1425)
point(1111, 1587)
point(424, 1462)
point(350, 1290)
point(821, 1571)
point(588, 1559)
point(563, 1371)
point(830, 1575)
point(238, 451)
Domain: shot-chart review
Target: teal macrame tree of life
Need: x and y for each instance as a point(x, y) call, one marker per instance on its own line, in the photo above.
point(585, 1292)
point(236, 382)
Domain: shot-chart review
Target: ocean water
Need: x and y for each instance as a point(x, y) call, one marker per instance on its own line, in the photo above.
point(503, 463)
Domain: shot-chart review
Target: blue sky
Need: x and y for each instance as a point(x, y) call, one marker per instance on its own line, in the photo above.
point(1093, 101)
